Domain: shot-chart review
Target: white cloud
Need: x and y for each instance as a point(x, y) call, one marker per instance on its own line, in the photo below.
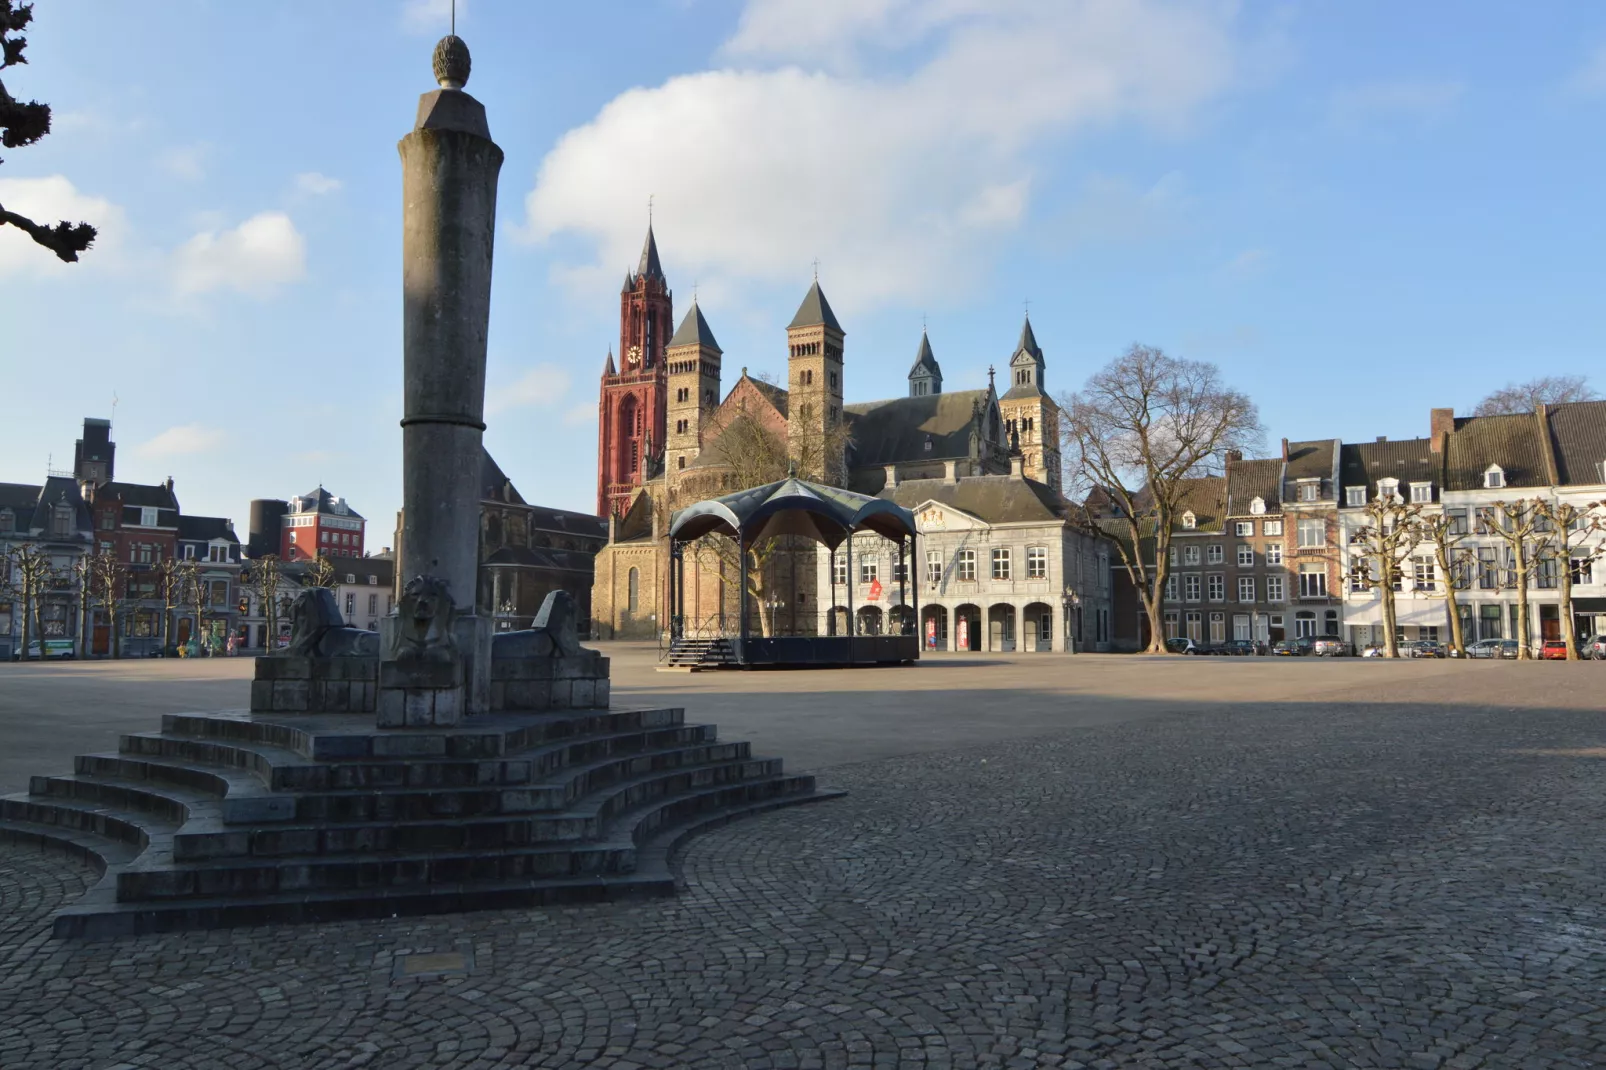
point(583, 413)
point(183, 439)
point(543, 386)
point(262, 253)
point(430, 16)
point(48, 201)
point(1591, 77)
point(899, 184)
point(185, 162)
point(316, 185)
point(1418, 101)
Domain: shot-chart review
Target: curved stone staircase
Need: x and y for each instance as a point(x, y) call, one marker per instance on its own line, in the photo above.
point(239, 818)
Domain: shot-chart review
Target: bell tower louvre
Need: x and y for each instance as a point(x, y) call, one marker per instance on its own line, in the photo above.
point(632, 413)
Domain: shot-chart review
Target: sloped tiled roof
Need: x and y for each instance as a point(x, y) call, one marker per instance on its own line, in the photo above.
point(318, 500)
point(1409, 460)
point(1511, 441)
point(994, 499)
point(1578, 432)
point(1248, 480)
point(382, 569)
point(895, 431)
point(1310, 459)
point(206, 528)
point(157, 496)
point(1206, 498)
point(775, 395)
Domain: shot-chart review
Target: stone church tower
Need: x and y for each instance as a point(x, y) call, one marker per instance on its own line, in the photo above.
point(693, 361)
point(632, 415)
point(1029, 412)
point(814, 381)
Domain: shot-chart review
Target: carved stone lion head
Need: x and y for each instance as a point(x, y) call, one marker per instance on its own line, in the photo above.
point(424, 620)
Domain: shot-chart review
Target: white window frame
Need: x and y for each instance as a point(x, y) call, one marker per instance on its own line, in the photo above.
point(1037, 562)
point(1246, 556)
point(839, 570)
point(1215, 554)
point(1276, 591)
point(1494, 477)
point(1274, 553)
point(1354, 496)
point(1002, 564)
point(1243, 528)
point(965, 565)
point(1308, 524)
point(1190, 555)
point(1271, 527)
point(1189, 521)
point(1216, 587)
point(1421, 493)
point(1310, 490)
point(933, 566)
point(1246, 588)
point(1257, 506)
point(869, 569)
point(1190, 587)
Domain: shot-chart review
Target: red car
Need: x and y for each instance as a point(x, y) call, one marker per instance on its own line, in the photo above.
point(1554, 650)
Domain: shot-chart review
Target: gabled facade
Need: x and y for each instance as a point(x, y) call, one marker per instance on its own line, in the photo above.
point(51, 518)
point(321, 524)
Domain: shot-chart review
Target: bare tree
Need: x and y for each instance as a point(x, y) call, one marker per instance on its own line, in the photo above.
point(108, 586)
point(1545, 390)
point(1522, 532)
point(1445, 534)
point(169, 572)
point(1570, 529)
point(1379, 550)
point(262, 580)
point(193, 586)
point(23, 124)
point(28, 573)
point(1133, 436)
point(321, 573)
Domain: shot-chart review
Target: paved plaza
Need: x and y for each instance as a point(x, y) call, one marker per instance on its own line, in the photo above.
point(1044, 860)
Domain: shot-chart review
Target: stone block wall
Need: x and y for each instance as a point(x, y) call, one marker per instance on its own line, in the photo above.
point(286, 684)
point(557, 683)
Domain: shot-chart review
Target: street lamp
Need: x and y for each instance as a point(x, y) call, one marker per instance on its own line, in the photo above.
point(1070, 600)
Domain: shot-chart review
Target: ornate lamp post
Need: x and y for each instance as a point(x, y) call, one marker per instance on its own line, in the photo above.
point(1070, 600)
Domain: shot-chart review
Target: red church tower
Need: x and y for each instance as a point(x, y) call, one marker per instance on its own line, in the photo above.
point(632, 414)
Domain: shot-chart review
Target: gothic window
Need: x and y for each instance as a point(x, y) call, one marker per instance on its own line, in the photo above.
point(635, 456)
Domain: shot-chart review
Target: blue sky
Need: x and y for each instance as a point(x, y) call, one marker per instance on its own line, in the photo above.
point(1358, 210)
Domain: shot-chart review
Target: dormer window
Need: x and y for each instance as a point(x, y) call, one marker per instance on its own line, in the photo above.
point(1257, 506)
point(1421, 493)
point(1388, 490)
point(1308, 490)
point(1189, 521)
point(1494, 477)
point(1354, 496)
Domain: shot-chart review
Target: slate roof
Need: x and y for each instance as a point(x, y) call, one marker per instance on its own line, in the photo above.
point(1513, 441)
point(1308, 459)
point(1028, 340)
point(158, 496)
point(994, 499)
point(1578, 433)
point(925, 361)
point(895, 430)
point(694, 330)
point(815, 309)
point(493, 480)
point(776, 395)
point(317, 499)
point(206, 528)
point(649, 266)
point(555, 560)
point(21, 499)
point(607, 367)
point(1410, 460)
point(1248, 480)
point(1206, 497)
point(384, 568)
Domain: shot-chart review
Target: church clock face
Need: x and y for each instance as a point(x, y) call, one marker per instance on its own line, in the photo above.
point(634, 356)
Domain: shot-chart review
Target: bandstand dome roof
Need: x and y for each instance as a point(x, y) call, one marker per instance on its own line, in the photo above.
point(792, 506)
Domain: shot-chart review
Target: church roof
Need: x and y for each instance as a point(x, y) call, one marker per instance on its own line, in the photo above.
point(896, 431)
point(1028, 340)
point(650, 267)
point(815, 310)
point(925, 361)
point(694, 330)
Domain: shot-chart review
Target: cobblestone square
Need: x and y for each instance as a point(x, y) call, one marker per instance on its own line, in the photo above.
point(1090, 861)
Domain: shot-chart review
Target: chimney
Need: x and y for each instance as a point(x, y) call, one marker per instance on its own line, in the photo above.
point(1440, 423)
point(1235, 456)
point(950, 471)
point(1017, 465)
point(1285, 451)
point(892, 475)
point(1382, 438)
point(169, 484)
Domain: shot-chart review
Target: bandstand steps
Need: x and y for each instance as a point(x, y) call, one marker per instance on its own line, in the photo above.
point(693, 655)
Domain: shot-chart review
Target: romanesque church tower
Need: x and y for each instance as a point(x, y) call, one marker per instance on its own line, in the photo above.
point(632, 415)
point(693, 360)
point(1030, 413)
point(814, 381)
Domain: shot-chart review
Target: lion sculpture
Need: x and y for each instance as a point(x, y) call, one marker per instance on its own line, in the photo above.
point(556, 632)
point(318, 631)
point(424, 619)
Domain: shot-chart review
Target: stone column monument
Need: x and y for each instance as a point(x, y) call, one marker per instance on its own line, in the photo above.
point(449, 171)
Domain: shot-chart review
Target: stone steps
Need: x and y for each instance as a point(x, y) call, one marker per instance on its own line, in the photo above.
point(235, 818)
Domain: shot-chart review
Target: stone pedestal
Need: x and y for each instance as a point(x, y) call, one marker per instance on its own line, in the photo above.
point(291, 684)
point(424, 695)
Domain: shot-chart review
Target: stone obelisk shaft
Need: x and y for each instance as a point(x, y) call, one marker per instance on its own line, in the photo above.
point(449, 171)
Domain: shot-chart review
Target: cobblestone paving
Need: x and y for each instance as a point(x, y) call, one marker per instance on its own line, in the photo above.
point(1289, 886)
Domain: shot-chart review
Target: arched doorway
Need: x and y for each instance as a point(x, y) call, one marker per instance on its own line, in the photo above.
point(1039, 627)
point(934, 628)
point(1001, 627)
point(967, 627)
point(869, 620)
point(900, 620)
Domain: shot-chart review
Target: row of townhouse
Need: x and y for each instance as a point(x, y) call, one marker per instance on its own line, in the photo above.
point(1268, 550)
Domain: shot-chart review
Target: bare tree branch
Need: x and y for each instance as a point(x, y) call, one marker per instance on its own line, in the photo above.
point(1545, 390)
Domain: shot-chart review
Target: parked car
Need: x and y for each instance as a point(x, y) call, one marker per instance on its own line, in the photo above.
point(53, 648)
point(1183, 645)
point(1240, 647)
point(1422, 648)
point(1554, 650)
point(1285, 648)
point(1329, 646)
point(1492, 648)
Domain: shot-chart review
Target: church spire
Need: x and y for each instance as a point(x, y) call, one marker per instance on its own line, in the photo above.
point(650, 267)
point(926, 376)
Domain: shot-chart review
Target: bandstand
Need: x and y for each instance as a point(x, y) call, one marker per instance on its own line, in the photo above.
point(829, 515)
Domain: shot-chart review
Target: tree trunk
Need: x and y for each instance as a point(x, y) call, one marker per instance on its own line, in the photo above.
point(1523, 653)
point(1568, 633)
point(1457, 640)
point(27, 621)
point(1152, 607)
point(1391, 640)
